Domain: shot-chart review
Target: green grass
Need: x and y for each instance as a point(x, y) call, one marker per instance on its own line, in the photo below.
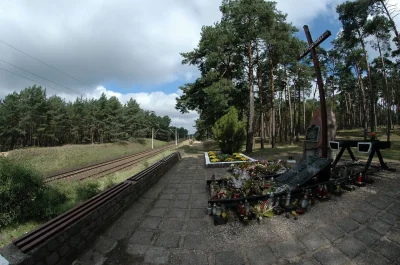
point(282, 149)
point(10, 233)
point(70, 188)
point(51, 160)
point(391, 154)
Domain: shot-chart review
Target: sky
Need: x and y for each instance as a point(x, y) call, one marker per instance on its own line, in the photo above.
point(123, 48)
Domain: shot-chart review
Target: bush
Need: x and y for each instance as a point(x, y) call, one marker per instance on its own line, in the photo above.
point(87, 189)
point(229, 132)
point(24, 196)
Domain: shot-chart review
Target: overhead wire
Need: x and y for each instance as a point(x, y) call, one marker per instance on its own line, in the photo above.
point(34, 81)
point(45, 63)
point(41, 77)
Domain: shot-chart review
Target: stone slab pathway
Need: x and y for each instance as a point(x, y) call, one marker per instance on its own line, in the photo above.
point(169, 225)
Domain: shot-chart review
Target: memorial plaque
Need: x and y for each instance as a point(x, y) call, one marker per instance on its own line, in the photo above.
point(316, 121)
point(364, 147)
point(312, 134)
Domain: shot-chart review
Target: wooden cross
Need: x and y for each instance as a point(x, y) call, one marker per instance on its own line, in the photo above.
point(324, 116)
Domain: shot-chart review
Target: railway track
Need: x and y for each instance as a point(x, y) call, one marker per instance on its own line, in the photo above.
point(105, 168)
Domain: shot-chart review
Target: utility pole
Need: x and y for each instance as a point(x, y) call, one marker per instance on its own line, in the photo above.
point(152, 138)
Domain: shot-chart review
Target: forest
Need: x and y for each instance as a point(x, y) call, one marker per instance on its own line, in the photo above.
point(30, 118)
point(248, 60)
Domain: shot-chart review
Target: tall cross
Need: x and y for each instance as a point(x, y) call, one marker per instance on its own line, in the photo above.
point(324, 116)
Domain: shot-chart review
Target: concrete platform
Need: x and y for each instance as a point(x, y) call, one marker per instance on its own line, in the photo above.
point(169, 225)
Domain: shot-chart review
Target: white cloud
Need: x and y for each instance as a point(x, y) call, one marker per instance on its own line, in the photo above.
point(159, 102)
point(126, 42)
point(305, 11)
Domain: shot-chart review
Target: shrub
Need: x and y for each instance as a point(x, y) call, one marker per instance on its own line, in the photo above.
point(24, 196)
point(230, 132)
point(87, 189)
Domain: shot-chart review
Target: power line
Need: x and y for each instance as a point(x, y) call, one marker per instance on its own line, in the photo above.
point(40, 76)
point(44, 63)
point(33, 80)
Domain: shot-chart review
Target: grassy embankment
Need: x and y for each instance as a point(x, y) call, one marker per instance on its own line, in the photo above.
point(77, 192)
point(51, 160)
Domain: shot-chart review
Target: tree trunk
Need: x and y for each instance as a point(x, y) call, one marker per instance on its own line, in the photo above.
point(259, 84)
point(294, 112)
point(304, 110)
point(387, 94)
point(280, 116)
point(290, 108)
point(371, 89)
point(272, 83)
point(249, 142)
point(363, 99)
point(298, 117)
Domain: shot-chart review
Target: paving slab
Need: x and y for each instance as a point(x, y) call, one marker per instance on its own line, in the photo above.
point(157, 212)
point(142, 237)
point(331, 256)
point(156, 255)
point(105, 244)
point(197, 225)
point(394, 235)
point(388, 218)
point(261, 256)
point(394, 209)
point(351, 246)
point(137, 250)
point(287, 249)
point(380, 203)
point(388, 249)
point(360, 217)
point(228, 258)
point(177, 213)
point(347, 224)
point(150, 223)
point(172, 224)
point(168, 240)
point(162, 203)
point(169, 225)
point(367, 236)
point(314, 240)
point(192, 241)
point(379, 226)
point(332, 232)
point(194, 258)
point(371, 257)
point(182, 197)
point(308, 261)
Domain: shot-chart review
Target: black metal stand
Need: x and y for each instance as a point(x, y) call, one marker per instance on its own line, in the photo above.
point(375, 148)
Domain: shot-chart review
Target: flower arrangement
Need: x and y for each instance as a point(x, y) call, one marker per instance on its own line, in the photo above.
point(372, 136)
point(214, 157)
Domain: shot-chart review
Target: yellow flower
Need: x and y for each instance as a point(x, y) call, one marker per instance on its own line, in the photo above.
point(244, 159)
point(235, 154)
point(238, 156)
point(212, 157)
point(229, 159)
point(215, 160)
point(211, 153)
